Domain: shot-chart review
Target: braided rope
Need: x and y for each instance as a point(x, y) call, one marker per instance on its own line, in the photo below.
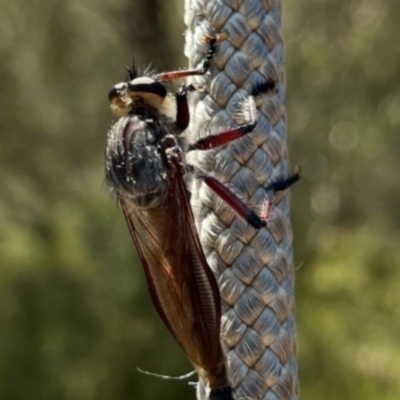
point(254, 269)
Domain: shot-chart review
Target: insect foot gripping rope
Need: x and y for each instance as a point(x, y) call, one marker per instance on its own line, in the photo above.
point(278, 186)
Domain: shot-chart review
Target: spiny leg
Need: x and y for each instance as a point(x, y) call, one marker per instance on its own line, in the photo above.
point(204, 66)
point(232, 200)
point(230, 134)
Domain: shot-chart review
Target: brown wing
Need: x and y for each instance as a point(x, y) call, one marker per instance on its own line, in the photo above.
point(180, 281)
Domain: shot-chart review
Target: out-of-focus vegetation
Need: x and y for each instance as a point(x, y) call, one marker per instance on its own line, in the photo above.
point(343, 69)
point(75, 316)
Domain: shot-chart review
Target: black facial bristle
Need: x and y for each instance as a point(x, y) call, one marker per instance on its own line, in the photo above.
point(132, 74)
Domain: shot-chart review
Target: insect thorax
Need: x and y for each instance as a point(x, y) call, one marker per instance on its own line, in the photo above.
point(136, 165)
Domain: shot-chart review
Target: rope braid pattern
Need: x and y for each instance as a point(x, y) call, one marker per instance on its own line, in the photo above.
point(254, 269)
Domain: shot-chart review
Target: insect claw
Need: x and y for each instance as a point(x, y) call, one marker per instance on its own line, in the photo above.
point(186, 89)
point(218, 37)
point(207, 38)
point(221, 36)
point(195, 88)
point(267, 209)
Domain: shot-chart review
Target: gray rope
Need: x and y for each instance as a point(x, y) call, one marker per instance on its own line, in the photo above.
point(254, 269)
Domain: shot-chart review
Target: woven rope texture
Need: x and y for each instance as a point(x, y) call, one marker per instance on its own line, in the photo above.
point(254, 268)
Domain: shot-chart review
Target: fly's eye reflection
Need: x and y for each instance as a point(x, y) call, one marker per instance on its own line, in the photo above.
point(115, 91)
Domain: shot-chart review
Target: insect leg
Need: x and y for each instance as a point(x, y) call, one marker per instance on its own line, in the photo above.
point(285, 183)
point(231, 134)
point(182, 107)
point(278, 186)
point(202, 68)
point(228, 135)
point(232, 200)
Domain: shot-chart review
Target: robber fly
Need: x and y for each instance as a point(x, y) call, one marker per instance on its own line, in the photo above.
point(145, 168)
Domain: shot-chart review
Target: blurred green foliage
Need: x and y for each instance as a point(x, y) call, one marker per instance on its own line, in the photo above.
point(76, 318)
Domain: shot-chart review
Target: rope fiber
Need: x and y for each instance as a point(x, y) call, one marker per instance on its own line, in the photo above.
point(254, 269)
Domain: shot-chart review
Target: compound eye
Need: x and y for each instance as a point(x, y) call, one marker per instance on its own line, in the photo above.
point(116, 91)
point(147, 85)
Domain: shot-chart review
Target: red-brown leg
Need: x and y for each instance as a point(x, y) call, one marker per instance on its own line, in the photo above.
point(202, 69)
point(227, 135)
point(233, 201)
point(221, 138)
point(182, 107)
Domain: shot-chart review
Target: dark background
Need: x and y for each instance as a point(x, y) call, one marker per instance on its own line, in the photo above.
point(75, 315)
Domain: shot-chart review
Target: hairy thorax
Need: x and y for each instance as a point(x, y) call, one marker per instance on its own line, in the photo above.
point(136, 166)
